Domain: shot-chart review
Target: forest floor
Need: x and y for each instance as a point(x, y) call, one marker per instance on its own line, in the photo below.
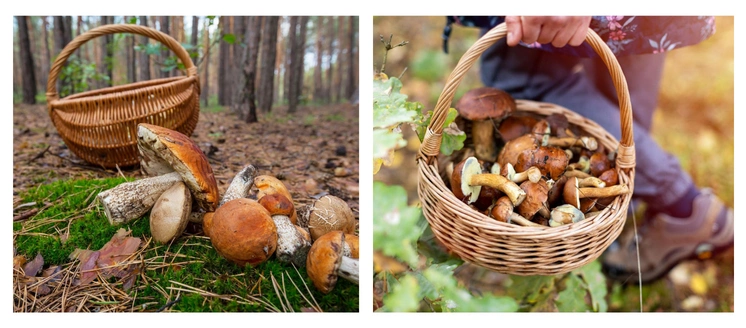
point(303, 150)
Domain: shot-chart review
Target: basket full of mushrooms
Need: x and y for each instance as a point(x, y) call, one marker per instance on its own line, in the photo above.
point(543, 191)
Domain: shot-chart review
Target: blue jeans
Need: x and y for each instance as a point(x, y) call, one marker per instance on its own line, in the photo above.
point(584, 86)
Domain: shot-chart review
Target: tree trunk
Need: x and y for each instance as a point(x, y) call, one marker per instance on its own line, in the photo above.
point(245, 101)
point(351, 68)
point(318, 88)
point(106, 56)
point(130, 55)
point(194, 37)
point(60, 41)
point(47, 62)
point(223, 62)
point(279, 64)
point(289, 51)
point(237, 51)
point(338, 83)
point(165, 28)
point(206, 80)
point(296, 77)
point(27, 62)
point(330, 68)
point(143, 59)
point(34, 43)
point(265, 95)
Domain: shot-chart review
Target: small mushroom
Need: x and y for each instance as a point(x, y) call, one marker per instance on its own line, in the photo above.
point(513, 148)
point(533, 174)
point(610, 178)
point(268, 184)
point(515, 126)
point(573, 193)
point(586, 142)
point(292, 243)
point(326, 262)
point(565, 214)
point(599, 163)
point(583, 164)
point(551, 161)
point(170, 214)
point(485, 107)
point(243, 232)
point(559, 125)
point(330, 213)
point(502, 211)
point(536, 199)
point(487, 195)
point(471, 179)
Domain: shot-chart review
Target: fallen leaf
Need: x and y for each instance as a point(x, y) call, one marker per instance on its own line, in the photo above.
point(382, 262)
point(18, 261)
point(33, 267)
point(118, 249)
point(51, 271)
point(88, 269)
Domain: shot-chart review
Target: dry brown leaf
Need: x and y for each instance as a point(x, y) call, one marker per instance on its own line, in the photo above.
point(33, 267)
point(88, 269)
point(18, 261)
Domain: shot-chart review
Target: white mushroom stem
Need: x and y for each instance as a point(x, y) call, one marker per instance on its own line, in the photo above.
point(292, 245)
point(349, 269)
point(240, 186)
point(131, 200)
point(533, 174)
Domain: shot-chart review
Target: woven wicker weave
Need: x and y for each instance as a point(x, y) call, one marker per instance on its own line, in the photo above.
point(100, 126)
point(514, 249)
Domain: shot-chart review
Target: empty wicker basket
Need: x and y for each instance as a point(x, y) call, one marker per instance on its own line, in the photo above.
point(509, 248)
point(100, 126)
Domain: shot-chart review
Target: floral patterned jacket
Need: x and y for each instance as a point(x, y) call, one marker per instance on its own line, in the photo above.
point(625, 35)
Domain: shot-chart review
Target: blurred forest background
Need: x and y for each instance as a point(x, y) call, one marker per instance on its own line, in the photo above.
point(694, 122)
point(294, 59)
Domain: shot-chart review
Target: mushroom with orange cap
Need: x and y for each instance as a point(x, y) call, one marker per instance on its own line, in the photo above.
point(327, 261)
point(292, 243)
point(243, 232)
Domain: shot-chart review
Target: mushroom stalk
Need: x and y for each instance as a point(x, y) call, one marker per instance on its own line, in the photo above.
point(292, 245)
point(482, 133)
point(349, 269)
point(131, 200)
point(499, 182)
point(589, 143)
point(591, 192)
point(240, 185)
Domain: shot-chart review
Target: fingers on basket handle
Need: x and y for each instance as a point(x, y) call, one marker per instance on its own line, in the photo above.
point(472, 56)
point(152, 33)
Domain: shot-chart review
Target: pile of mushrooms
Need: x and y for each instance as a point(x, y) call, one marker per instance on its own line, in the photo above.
point(547, 172)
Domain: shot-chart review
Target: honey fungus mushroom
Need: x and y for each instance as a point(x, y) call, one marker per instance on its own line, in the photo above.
point(243, 232)
point(485, 107)
point(330, 213)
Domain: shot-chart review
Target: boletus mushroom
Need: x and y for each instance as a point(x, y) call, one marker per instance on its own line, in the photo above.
point(565, 214)
point(551, 161)
point(485, 107)
point(268, 184)
point(471, 179)
point(292, 243)
point(326, 262)
point(573, 192)
point(329, 213)
point(502, 211)
point(243, 232)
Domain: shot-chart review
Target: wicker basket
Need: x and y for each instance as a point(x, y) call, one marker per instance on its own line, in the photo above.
point(100, 126)
point(509, 248)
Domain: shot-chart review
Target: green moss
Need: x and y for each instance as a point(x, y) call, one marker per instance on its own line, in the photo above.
point(194, 262)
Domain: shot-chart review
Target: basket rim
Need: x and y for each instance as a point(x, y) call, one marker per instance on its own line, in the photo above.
point(123, 91)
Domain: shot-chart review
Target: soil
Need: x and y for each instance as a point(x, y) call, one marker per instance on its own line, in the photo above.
point(303, 150)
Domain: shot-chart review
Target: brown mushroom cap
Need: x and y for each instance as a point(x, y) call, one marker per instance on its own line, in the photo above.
point(515, 126)
point(330, 213)
point(513, 148)
point(278, 204)
point(485, 103)
point(243, 232)
point(268, 184)
point(536, 198)
point(164, 150)
point(324, 259)
point(170, 214)
point(551, 161)
point(599, 163)
point(352, 242)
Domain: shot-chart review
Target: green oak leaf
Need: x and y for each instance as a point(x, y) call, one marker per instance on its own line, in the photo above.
point(390, 107)
point(385, 140)
point(596, 282)
point(572, 298)
point(396, 225)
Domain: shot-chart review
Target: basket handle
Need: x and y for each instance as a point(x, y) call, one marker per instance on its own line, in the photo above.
point(430, 146)
point(152, 33)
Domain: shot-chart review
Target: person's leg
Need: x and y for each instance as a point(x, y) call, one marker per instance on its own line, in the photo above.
point(660, 181)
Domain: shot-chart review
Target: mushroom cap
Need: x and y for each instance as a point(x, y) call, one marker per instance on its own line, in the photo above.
point(551, 161)
point(599, 163)
point(485, 103)
point(609, 177)
point(278, 204)
point(268, 184)
point(565, 214)
point(243, 232)
point(164, 150)
point(207, 223)
point(352, 242)
point(471, 167)
point(170, 214)
point(486, 194)
point(570, 193)
point(515, 126)
point(324, 258)
point(536, 198)
point(330, 213)
point(502, 209)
